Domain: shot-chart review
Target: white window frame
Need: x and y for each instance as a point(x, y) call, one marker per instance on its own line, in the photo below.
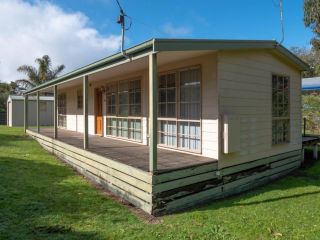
point(177, 118)
point(278, 119)
point(130, 132)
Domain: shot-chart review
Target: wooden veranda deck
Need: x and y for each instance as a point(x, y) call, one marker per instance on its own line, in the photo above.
point(129, 153)
point(183, 180)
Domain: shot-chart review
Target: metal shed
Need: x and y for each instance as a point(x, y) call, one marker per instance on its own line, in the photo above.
point(15, 111)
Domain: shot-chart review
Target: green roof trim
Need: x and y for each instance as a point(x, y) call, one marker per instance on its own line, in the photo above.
point(162, 45)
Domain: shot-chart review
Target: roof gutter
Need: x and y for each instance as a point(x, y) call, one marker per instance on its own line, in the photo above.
point(301, 64)
point(157, 45)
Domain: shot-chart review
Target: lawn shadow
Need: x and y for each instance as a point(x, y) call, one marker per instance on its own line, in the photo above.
point(10, 139)
point(33, 192)
point(299, 178)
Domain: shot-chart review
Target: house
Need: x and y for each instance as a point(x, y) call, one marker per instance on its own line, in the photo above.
point(15, 111)
point(172, 123)
point(310, 84)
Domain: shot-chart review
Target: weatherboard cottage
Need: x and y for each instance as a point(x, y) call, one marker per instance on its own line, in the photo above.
point(172, 123)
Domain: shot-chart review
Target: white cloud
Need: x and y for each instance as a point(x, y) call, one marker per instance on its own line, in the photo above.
point(29, 31)
point(174, 31)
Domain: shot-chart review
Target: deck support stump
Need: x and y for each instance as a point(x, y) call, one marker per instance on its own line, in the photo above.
point(55, 112)
point(153, 112)
point(25, 113)
point(85, 112)
point(38, 112)
point(315, 152)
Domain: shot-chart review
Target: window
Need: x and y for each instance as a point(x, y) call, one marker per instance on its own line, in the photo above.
point(180, 109)
point(111, 98)
point(124, 98)
point(280, 109)
point(124, 109)
point(79, 99)
point(167, 95)
point(135, 98)
point(62, 110)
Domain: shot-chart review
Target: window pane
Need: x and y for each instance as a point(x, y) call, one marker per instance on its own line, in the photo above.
point(171, 80)
point(168, 133)
point(163, 81)
point(162, 96)
point(123, 98)
point(171, 95)
point(162, 110)
point(184, 128)
point(123, 110)
point(184, 110)
point(190, 94)
point(171, 110)
point(194, 111)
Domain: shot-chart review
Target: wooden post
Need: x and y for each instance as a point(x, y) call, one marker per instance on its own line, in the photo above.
point(25, 113)
point(304, 126)
point(85, 111)
point(153, 112)
point(38, 112)
point(55, 112)
point(315, 151)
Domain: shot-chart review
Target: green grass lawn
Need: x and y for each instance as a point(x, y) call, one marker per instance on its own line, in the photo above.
point(41, 198)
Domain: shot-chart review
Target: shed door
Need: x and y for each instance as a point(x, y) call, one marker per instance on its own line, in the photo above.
point(98, 112)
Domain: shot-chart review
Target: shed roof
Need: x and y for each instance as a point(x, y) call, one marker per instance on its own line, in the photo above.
point(158, 45)
point(309, 84)
point(21, 98)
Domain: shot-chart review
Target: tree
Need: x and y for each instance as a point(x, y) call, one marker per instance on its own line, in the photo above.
point(5, 90)
point(311, 111)
point(312, 57)
point(37, 76)
point(312, 20)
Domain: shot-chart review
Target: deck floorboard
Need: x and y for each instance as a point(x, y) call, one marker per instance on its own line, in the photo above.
point(129, 153)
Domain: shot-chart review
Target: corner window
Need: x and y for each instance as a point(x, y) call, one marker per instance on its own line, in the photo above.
point(179, 107)
point(280, 109)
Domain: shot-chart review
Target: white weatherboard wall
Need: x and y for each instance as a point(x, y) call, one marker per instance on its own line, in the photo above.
point(245, 85)
point(208, 64)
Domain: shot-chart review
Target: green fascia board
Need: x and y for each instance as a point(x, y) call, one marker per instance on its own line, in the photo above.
point(163, 45)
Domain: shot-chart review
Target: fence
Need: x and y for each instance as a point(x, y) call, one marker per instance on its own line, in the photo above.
point(3, 118)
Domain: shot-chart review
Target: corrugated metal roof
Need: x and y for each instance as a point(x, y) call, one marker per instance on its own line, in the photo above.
point(158, 45)
point(309, 84)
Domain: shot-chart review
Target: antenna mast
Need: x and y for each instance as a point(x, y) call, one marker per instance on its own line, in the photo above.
point(121, 21)
point(282, 22)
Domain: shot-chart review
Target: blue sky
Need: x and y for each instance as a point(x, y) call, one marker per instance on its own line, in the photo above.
point(78, 32)
point(231, 19)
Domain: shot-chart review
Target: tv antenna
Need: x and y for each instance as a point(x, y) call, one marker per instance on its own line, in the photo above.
point(280, 5)
point(121, 20)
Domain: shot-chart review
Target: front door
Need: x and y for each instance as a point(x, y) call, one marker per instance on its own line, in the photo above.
point(98, 111)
